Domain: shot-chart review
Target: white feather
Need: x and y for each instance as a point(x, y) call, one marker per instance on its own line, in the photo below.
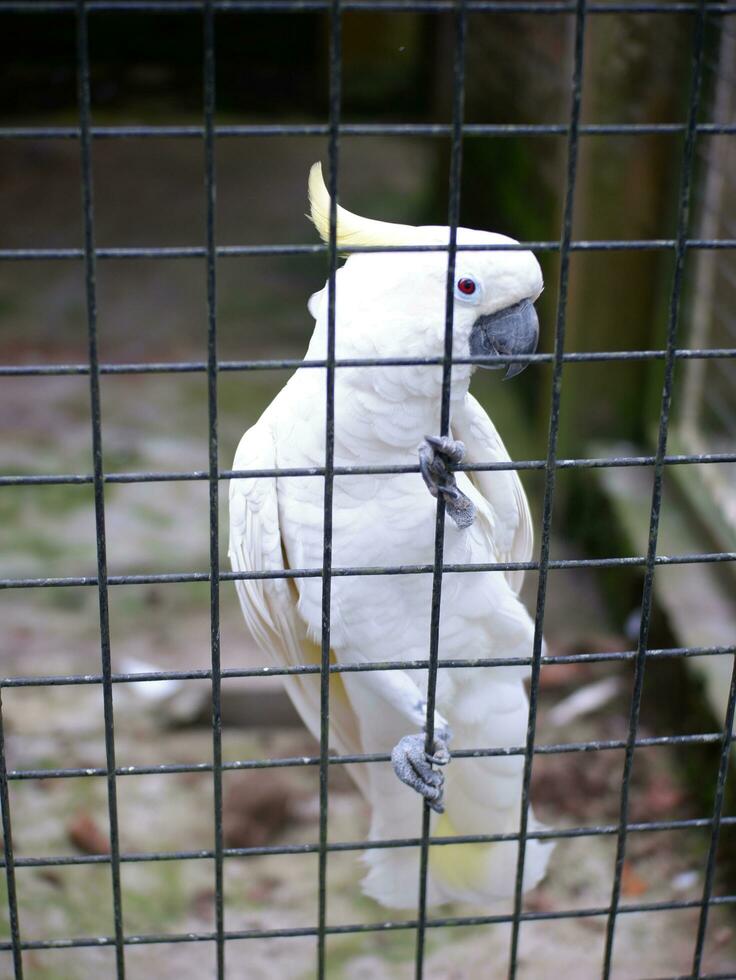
point(270, 605)
point(514, 537)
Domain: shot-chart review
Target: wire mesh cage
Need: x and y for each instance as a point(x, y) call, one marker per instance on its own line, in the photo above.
point(701, 361)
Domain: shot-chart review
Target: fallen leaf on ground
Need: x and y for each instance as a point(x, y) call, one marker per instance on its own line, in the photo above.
point(263, 889)
point(553, 676)
point(658, 797)
point(86, 836)
point(257, 806)
point(51, 876)
point(722, 936)
point(663, 795)
point(203, 903)
point(631, 883)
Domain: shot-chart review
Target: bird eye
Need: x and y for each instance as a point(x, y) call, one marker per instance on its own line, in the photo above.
point(466, 288)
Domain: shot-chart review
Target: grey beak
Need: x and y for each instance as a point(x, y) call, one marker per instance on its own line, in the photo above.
point(514, 330)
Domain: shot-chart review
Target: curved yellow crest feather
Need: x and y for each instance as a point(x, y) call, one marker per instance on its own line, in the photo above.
point(351, 228)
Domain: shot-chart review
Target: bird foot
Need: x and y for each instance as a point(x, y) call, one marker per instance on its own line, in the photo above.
point(437, 455)
point(413, 766)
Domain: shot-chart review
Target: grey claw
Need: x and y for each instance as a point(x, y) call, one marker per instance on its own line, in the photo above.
point(452, 449)
point(441, 752)
point(413, 766)
point(437, 454)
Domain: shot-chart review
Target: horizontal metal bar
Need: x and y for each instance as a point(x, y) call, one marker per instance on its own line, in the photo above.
point(74, 860)
point(700, 976)
point(600, 462)
point(240, 251)
point(392, 6)
point(356, 129)
point(349, 572)
point(708, 738)
point(230, 673)
point(365, 927)
point(292, 363)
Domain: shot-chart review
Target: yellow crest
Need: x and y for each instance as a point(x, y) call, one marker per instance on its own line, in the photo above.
point(351, 228)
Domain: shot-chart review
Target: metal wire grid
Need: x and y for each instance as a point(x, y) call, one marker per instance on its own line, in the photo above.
point(681, 245)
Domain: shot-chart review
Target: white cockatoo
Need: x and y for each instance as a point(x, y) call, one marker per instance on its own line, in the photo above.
point(391, 305)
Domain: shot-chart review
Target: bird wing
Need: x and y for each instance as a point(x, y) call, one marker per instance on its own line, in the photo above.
point(270, 604)
point(502, 489)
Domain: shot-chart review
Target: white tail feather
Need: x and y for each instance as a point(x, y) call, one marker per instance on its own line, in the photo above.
point(482, 796)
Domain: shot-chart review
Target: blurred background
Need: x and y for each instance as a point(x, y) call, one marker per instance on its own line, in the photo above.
point(272, 68)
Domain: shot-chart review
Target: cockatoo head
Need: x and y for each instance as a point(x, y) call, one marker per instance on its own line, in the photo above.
point(397, 299)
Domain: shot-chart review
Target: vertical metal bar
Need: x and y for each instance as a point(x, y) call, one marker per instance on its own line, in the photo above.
point(664, 415)
point(214, 464)
point(458, 112)
point(9, 859)
point(98, 470)
point(551, 466)
point(710, 866)
point(335, 96)
point(713, 209)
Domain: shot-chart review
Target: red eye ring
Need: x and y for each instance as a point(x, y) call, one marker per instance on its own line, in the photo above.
point(466, 286)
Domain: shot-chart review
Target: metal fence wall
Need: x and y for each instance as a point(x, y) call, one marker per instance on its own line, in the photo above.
point(210, 253)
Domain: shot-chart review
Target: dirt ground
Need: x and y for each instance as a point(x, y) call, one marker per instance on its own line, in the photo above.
point(49, 727)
